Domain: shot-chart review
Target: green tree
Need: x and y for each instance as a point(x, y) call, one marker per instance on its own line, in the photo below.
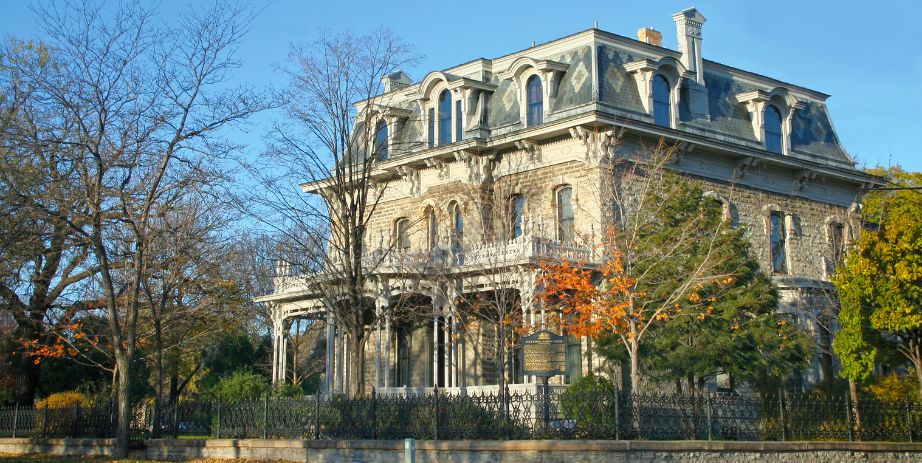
point(880, 282)
point(243, 384)
point(743, 335)
point(671, 256)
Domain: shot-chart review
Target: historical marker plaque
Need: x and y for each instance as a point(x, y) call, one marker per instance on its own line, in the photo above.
point(544, 354)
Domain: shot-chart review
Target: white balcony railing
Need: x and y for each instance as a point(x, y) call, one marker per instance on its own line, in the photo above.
point(522, 250)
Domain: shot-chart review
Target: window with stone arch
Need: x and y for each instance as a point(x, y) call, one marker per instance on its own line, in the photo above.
point(457, 225)
point(662, 101)
point(432, 229)
point(534, 96)
point(774, 138)
point(835, 237)
point(565, 215)
point(402, 234)
point(381, 134)
point(777, 232)
point(444, 110)
point(517, 216)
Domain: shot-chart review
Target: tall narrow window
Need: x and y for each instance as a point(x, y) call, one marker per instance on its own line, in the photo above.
point(457, 231)
point(445, 118)
point(535, 101)
point(381, 141)
point(565, 214)
point(457, 224)
point(432, 228)
point(402, 234)
point(459, 121)
point(574, 359)
point(773, 137)
point(517, 214)
point(431, 127)
point(778, 252)
point(836, 233)
point(662, 109)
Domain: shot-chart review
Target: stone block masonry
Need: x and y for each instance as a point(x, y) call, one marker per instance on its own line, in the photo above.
point(539, 451)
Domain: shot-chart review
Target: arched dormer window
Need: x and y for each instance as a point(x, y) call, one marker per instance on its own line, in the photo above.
point(381, 141)
point(535, 101)
point(662, 106)
point(565, 216)
point(402, 234)
point(517, 215)
point(774, 141)
point(445, 118)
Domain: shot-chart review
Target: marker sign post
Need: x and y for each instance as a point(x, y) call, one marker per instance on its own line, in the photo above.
point(544, 355)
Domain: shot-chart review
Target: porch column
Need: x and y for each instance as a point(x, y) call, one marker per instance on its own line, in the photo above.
point(435, 347)
point(277, 322)
point(455, 339)
point(283, 354)
point(338, 340)
point(347, 364)
point(382, 303)
point(328, 379)
point(387, 349)
point(378, 349)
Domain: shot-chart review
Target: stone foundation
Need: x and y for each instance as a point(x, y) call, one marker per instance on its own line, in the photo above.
point(88, 447)
point(538, 451)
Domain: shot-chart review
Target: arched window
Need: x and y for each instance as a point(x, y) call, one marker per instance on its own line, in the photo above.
point(381, 141)
point(459, 120)
point(565, 214)
point(432, 229)
point(517, 214)
point(431, 119)
point(445, 118)
point(457, 225)
point(777, 235)
point(773, 138)
point(534, 101)
point(457, 232)
point(662, 109)
point(402, 234)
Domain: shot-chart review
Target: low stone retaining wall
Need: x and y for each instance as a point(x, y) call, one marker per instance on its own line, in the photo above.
point(538, 451)
point(88, 447)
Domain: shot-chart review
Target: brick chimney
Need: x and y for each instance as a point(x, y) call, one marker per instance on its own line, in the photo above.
point(650, 35)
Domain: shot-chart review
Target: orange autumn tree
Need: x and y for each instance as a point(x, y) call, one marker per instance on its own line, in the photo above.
point(666, 253)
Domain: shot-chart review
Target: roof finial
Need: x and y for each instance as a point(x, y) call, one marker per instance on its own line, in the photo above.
point(596, 23)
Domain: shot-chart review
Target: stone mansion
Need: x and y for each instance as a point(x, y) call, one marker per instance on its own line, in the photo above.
point(530, 134)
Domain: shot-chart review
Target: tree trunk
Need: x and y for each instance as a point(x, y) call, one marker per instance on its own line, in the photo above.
point(501, 359)
point(122, 362)
point(158, 395)
point(357, 363)
point(853, 393)
point(29, 373)
point(634, 353)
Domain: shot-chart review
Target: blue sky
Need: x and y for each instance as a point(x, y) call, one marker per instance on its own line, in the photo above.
point(867, 55)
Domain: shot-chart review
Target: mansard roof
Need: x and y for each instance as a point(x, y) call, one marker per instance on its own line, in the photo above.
point(594, 76)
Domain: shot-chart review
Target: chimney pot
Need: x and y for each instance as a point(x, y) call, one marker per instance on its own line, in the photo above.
point(650, 35)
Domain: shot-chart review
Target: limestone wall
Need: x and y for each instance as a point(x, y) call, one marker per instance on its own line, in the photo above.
point(544, 451)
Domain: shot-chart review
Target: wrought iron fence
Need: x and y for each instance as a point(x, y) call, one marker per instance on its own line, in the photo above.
point(556, 415)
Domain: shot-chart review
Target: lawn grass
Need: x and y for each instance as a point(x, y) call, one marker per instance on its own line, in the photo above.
point(42, 458)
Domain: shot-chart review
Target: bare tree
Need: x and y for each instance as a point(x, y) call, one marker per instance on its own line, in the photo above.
point(326, 144)
point(144, 104)
point(44, 261)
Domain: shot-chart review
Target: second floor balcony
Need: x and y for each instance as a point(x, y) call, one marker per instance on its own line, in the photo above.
point(526, 250)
